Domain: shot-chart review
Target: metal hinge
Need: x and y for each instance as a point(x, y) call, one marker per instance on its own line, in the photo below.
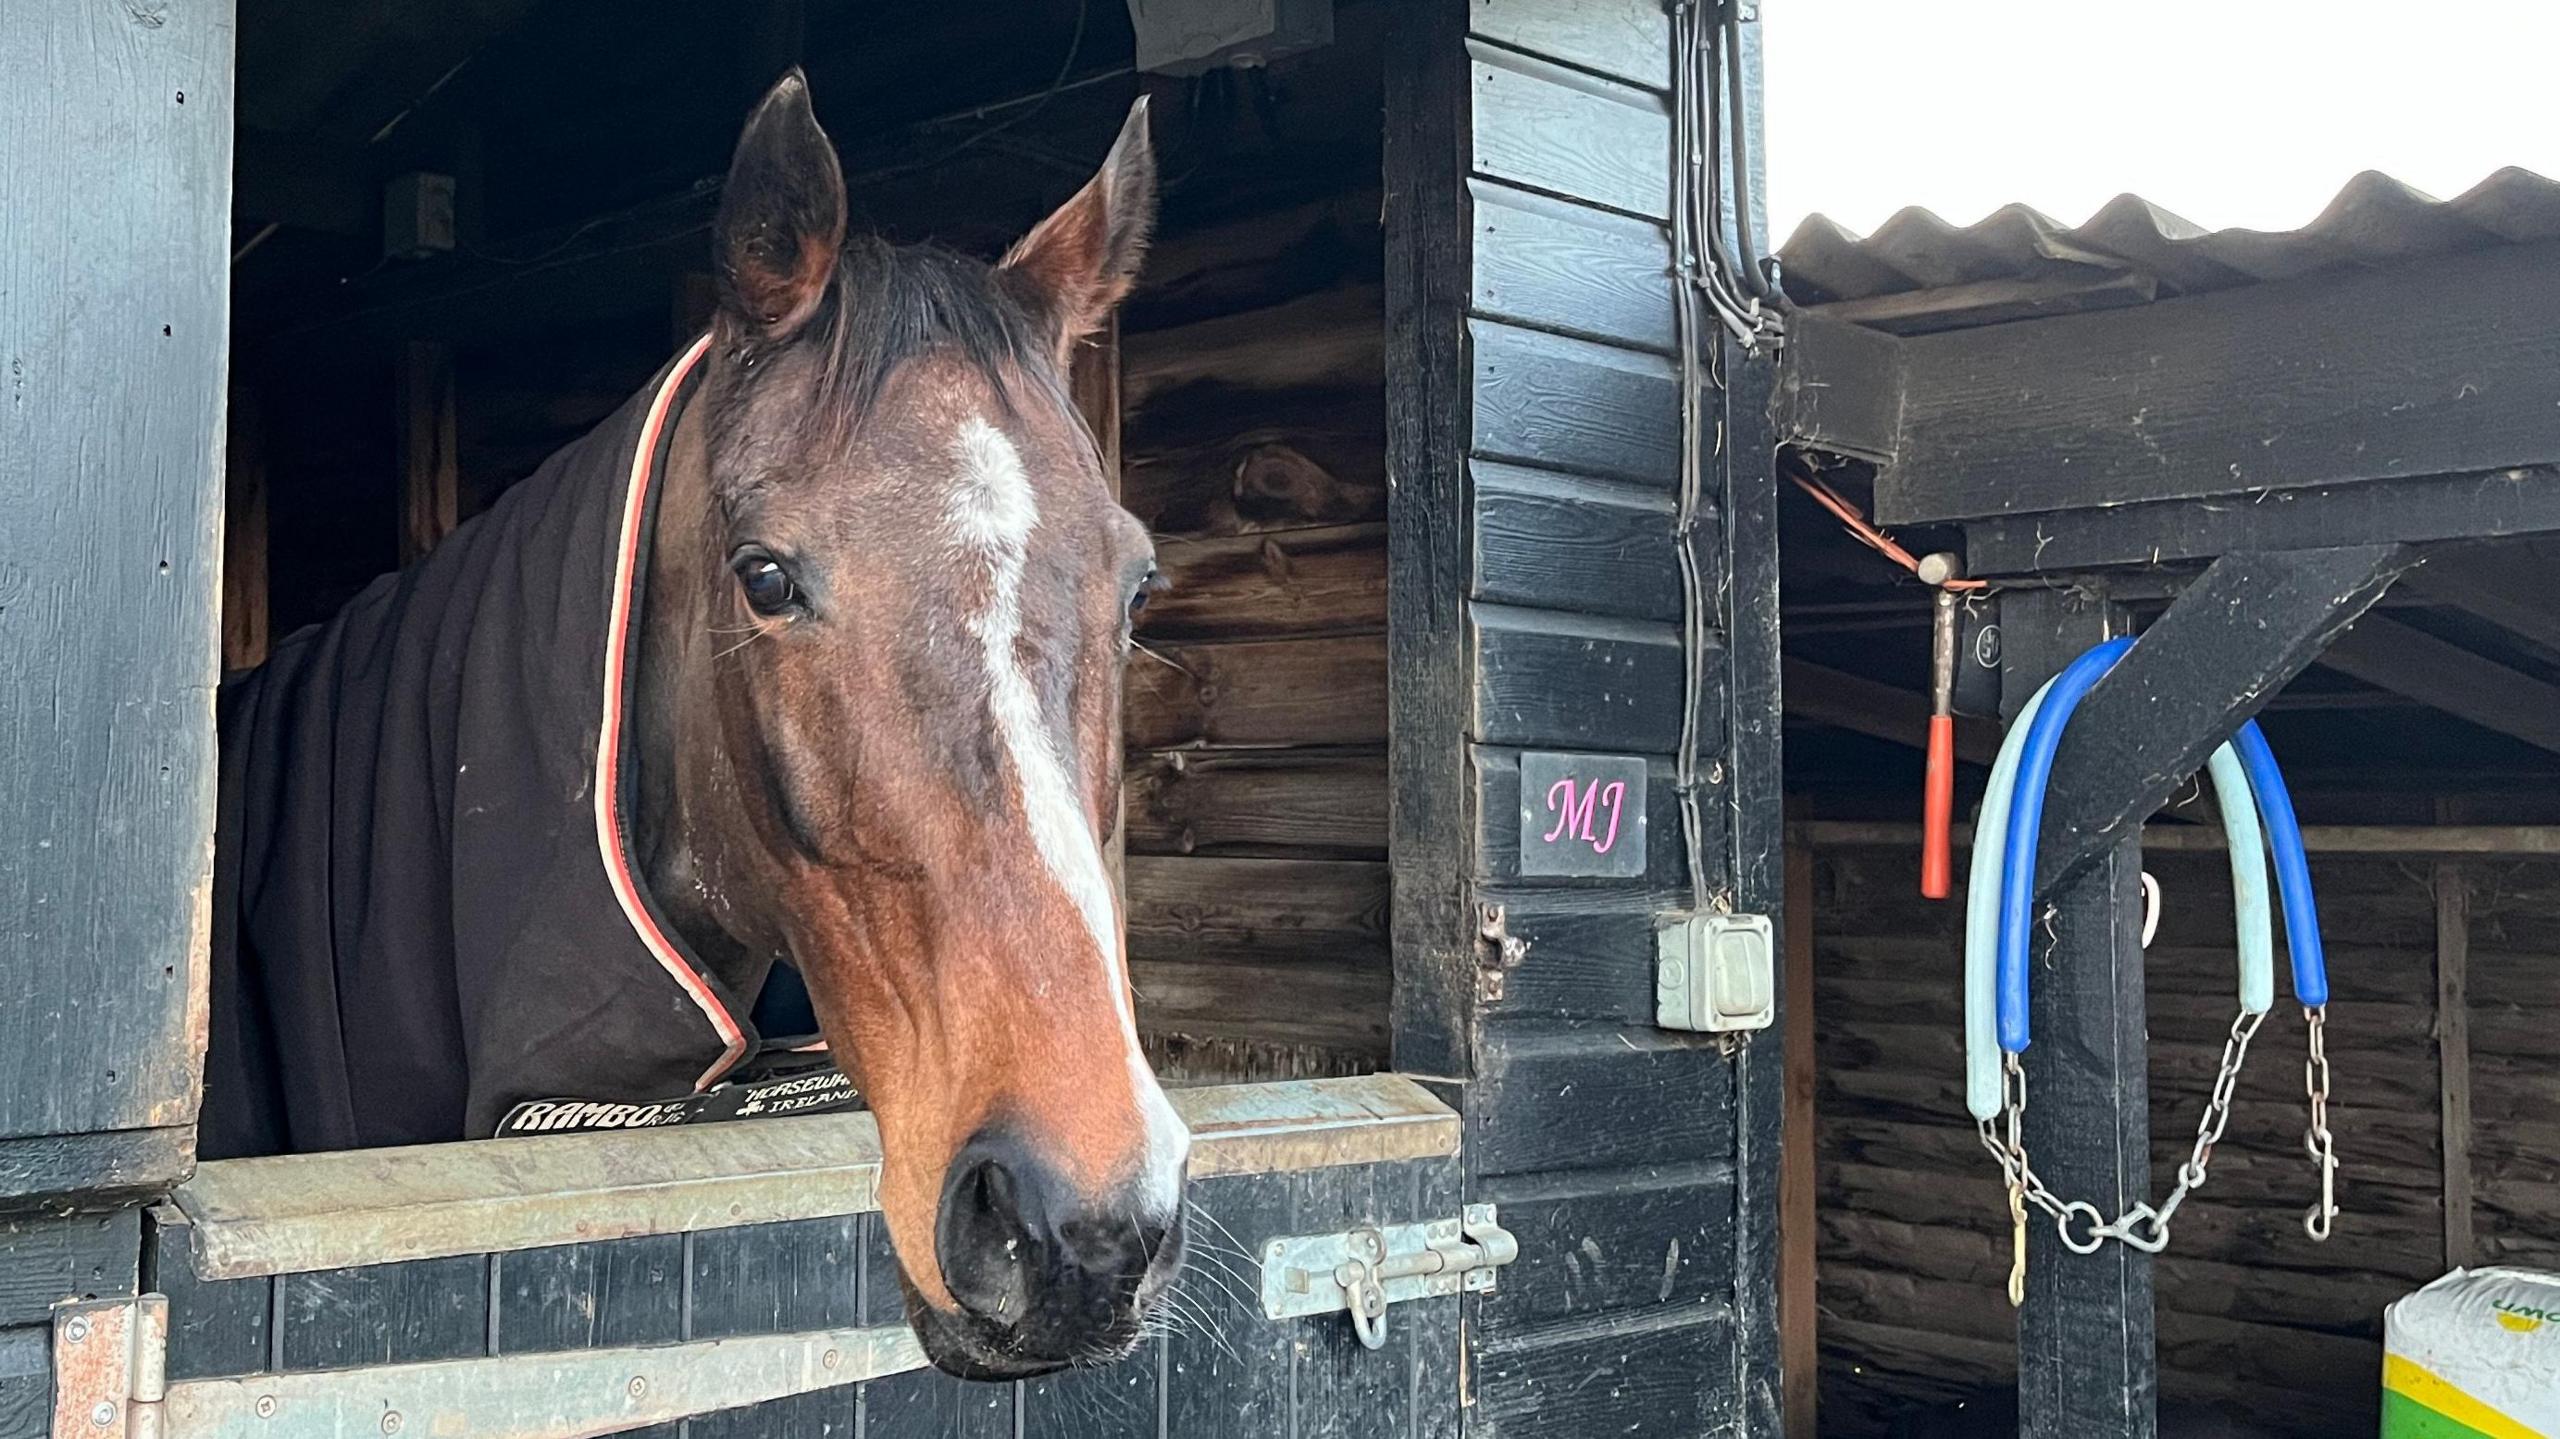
point(107, 1367)
point(1365, 1270)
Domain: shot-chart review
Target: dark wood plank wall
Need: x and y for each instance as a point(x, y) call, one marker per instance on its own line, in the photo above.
point(1254, 447)
point(1307, 1377)
point(118, 131)
point(2254, 1318)
point(1534, 445)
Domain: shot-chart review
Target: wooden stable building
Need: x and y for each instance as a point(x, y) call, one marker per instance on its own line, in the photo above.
point(2382, 373)
point(1459, 397)
point(1400, 396)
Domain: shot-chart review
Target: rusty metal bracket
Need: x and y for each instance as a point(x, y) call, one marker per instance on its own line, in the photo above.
point(107, 1370)
point(1498, 953)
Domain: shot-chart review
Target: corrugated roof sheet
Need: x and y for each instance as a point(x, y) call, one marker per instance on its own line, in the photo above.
point(1919, 273)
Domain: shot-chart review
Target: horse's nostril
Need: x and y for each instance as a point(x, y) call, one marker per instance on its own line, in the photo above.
point(987, 1236)
point(1021, 1247)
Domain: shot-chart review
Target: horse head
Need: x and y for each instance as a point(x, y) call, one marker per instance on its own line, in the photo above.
point(891, 643)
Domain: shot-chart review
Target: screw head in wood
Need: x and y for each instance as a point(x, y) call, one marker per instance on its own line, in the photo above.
point(266, 1406)
point(76, 1331)
point(391, 1422)
point(104, 1415)
point(637, 1387)
point(831, 1359)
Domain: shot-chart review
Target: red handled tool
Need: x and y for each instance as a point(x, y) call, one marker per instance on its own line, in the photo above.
point(1937, 841)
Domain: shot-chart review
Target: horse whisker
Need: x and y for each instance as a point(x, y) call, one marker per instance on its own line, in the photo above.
point(742, 644)
point(1204, 1212)
point(1160, 658)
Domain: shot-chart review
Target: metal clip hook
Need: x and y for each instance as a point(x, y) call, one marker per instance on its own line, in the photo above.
point(2317, 1221)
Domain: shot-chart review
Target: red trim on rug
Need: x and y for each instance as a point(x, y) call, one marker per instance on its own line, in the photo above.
point(609, 835)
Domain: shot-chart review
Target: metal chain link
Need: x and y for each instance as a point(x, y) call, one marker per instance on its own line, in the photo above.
point(2143, 1226)
point(2315, 1079)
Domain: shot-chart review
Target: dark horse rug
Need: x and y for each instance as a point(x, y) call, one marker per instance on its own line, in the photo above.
point(427, 918)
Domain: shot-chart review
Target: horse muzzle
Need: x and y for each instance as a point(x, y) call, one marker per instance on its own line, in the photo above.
point(1044, 1276)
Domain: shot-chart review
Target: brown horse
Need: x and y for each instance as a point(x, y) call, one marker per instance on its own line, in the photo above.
point(861, 599)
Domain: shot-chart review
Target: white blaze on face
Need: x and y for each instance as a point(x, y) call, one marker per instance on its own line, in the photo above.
point(993, 513)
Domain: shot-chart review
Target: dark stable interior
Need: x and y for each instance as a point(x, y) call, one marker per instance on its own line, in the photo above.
point(370, 389)
point(380, 395)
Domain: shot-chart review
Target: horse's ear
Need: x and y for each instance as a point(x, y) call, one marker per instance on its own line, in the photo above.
point(781, 221)
point(1081, 261)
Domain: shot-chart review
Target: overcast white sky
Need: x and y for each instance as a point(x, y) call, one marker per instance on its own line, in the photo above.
point(2248, 113)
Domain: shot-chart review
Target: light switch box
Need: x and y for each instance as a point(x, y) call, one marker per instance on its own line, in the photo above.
point(1716, 973)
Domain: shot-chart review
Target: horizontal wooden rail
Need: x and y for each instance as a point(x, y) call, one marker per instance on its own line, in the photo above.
point(296, 1213)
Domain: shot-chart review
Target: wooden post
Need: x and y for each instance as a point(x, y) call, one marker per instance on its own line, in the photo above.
point(1518, 140)
point(1799, 1273)
point(244, 535)
point(111, 430)
point(2087, 1356)
point(430, 465)
point(2453, 1054)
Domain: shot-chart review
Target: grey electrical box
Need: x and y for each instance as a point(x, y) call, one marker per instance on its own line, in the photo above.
point(1186, 37)
point(1716, 973)
point(417, 215)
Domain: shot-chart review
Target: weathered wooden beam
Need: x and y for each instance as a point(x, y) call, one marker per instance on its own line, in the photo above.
point(2508, 585)
point(110, 533)
point(2088, 1359)
point(1989, 302)
point(2453, 1056)
point(1326, 690)
point(2248, 625)
point(244, 534)
point(1799, 1227)
point(1282, 468)
point(2133, 405)
point(2447, 677)
point(1329, 803)
point(1840, 388)
point(1428, 155)
point(2452, 507)
point(1306, 340)
point(1326, 579)
point(430, 450)
point(1818, 694)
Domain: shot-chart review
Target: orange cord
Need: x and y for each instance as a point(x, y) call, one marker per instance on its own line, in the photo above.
point(1874, 539)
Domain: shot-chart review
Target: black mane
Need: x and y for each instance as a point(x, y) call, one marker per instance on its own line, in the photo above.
point(895, 303)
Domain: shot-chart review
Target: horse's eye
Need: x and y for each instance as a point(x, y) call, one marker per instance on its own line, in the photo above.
point(768, 586)
point(1138, 596)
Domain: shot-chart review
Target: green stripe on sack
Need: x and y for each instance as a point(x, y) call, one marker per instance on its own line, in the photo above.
point(2406, 1418)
